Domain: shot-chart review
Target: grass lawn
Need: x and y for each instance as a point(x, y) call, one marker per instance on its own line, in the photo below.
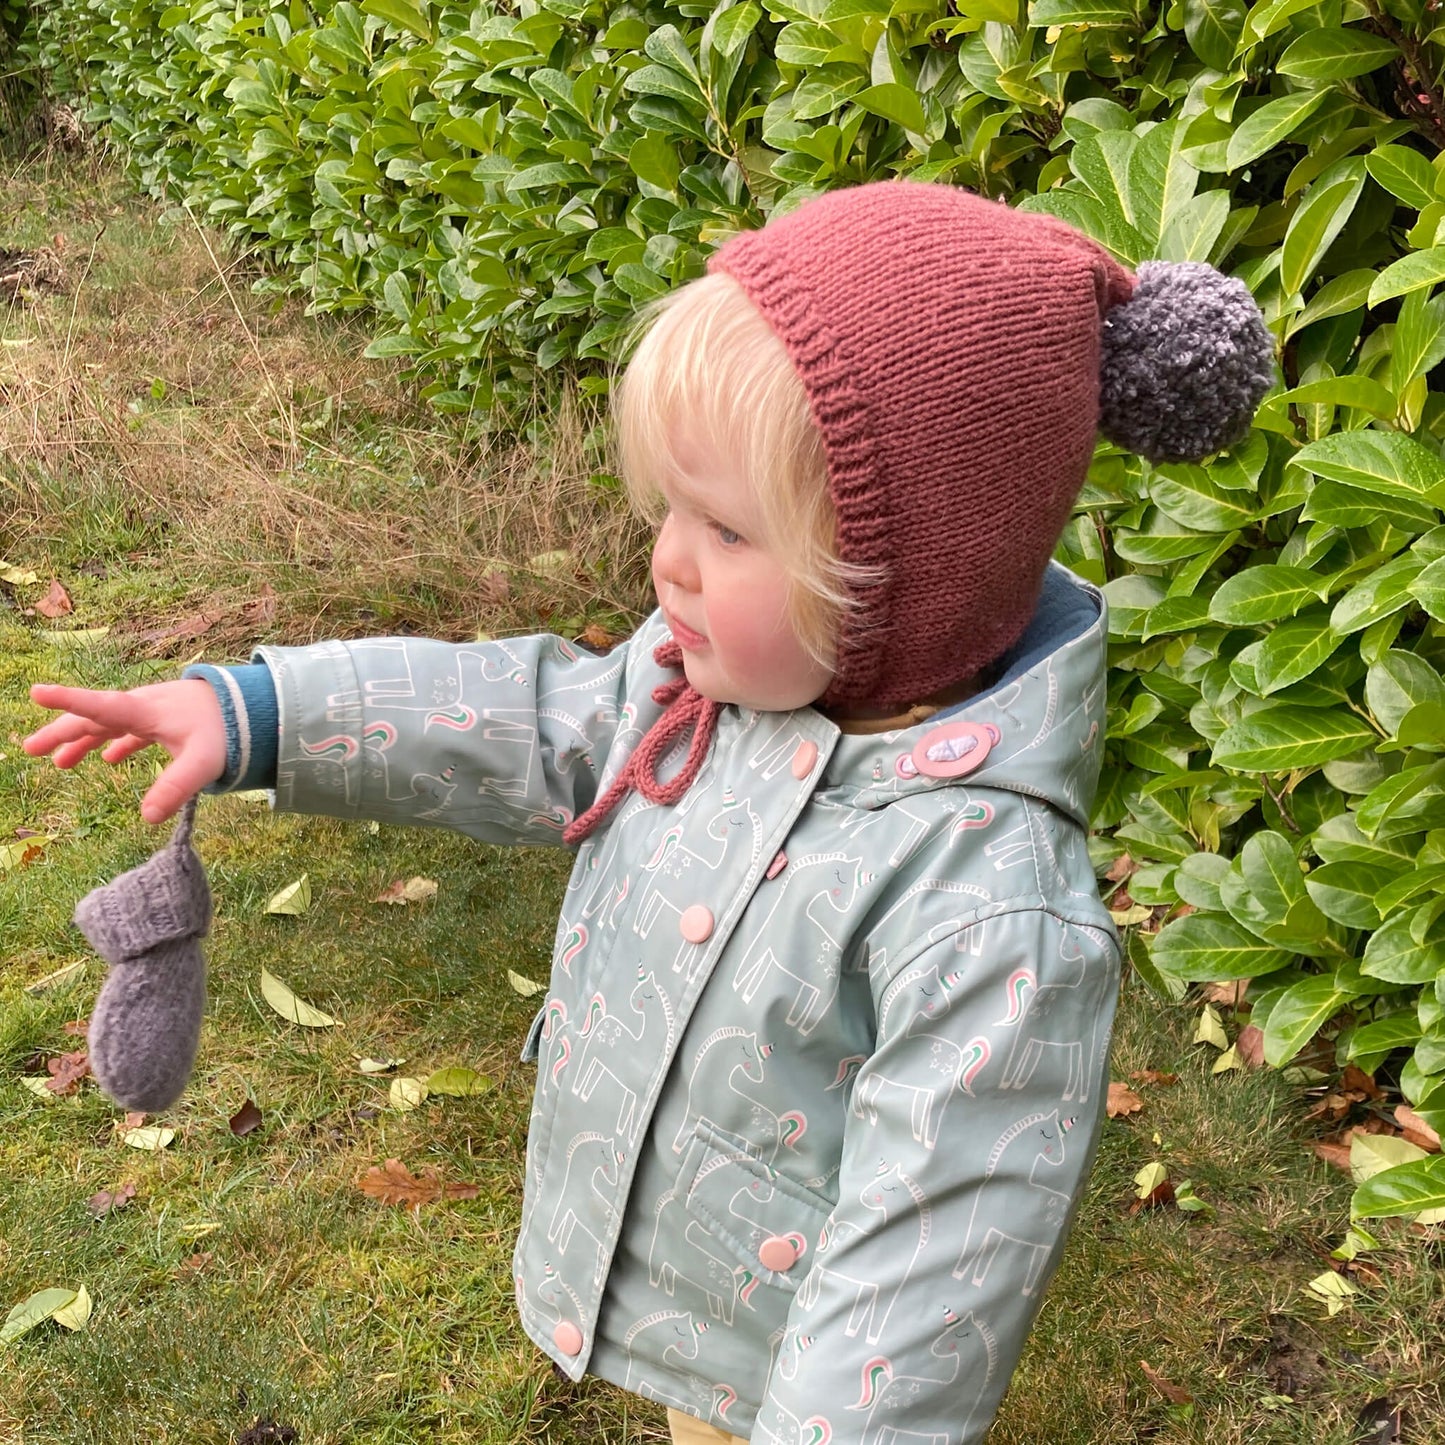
point(200, 470)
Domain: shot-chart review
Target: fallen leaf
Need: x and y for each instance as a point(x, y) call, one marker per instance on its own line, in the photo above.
point(35, 1310)
point(62, 976)
point(1186, 1199)
point(246, 1119)
point(1210, 1029)
point(148, 1137)
point(22, 853)
point(414, 890)
point(1334, 1289)
point(1134, 913)
point(39, 1085)
point(1149, 1178)
point(1356, 1081)
point(293, 898)
point(76, 1314)
point(1229, 1059)
point(109, 1200)
point(133, 1120)
point(262, 611)
point(394, 1183)
point(77, 1028)
point(458, 1083)
point(1173, 1393)
point(524, 986)
point(1250, 1044)
point(18, 576)
point(1121, 868)
point(68, 1072)
point(1123, 1101)
point(292, 1009)
point(1337, 1155)
point(56, 602)
point(1154, 1076)
point(407, 1093)
point(379, 1066)
point(1230, 994)
point(193, 1263)
point(596, 636)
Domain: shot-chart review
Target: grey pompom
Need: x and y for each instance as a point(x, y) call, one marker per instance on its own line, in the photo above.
point(1185, 362)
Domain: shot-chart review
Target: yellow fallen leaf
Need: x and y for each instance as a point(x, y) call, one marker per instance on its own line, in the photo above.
point(13, 855)
point(407, 1094)
point(524, 986)
point(378, 1066)
point(75, 1315)
point(1229, 1059)
point(1135, 913)
point(1210, 1029)
point(18, 576)
point(293, 898)
point(74, 636)
point(1149, 1178)
point(39, 1085)
point(294, 1010)
point(1334, 1289)
point(148, 1136)
point(414, 890)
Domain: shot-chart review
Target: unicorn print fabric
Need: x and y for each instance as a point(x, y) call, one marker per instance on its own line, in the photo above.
point(821, 1067)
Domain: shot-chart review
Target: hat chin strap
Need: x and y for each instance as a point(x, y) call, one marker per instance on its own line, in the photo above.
point(683, 708)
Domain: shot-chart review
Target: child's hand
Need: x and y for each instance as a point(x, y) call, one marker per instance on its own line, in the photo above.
point(183, 717)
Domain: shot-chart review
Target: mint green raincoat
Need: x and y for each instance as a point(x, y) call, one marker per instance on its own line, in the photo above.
point(822, 1064)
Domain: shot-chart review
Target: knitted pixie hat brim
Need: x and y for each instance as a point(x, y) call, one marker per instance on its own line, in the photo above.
point(950, 350)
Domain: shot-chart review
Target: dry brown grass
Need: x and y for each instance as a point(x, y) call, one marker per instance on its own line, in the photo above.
point(159, 415)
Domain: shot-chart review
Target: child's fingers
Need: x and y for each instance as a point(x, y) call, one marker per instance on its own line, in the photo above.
point(170, 792)
point(115, 712)
point(67, 729)
point(124, 748)
point(69, 754)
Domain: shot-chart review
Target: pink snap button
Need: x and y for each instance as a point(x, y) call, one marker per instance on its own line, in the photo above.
point(568, 1338)
point(952, 751)
point(777, 1253)
point(776, 866)
point(804, 759)
point(696, 923)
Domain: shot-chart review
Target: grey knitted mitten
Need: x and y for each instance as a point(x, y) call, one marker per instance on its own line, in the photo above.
point(148, 925)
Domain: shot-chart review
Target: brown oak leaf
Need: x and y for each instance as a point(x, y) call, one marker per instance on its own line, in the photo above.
point(1250, 1045)
point(1123, 1101)
point(1154, 1076)
point(67, 1072)
point(246, 1119)
point(394, 1183)
point(56, 602)
point(108, 1199)
point(1175, 1394)
point(1416, 1130)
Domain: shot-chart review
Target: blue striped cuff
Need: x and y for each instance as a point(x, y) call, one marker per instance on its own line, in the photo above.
point(247, 696)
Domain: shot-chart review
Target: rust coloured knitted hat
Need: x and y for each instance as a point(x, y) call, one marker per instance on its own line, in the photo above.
point(959, 357)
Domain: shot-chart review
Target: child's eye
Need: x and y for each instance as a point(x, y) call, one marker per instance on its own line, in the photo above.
point(726, 535)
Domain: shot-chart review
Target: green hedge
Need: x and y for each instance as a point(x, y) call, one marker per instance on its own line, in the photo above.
point(504, 183)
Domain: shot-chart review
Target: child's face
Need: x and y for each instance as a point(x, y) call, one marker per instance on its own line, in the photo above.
point(724, 594)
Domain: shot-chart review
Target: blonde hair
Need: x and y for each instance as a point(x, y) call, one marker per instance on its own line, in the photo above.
point(708, 355)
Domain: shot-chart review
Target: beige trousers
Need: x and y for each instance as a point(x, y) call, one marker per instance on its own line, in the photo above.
point(689, 1430)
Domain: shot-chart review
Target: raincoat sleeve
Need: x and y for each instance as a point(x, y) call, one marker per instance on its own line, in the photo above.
point(505, 741)
point(971, 1130)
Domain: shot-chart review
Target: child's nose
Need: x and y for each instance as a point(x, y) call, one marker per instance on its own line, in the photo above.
point(672, 558)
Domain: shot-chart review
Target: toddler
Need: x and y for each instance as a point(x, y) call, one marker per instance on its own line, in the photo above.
point(822, 1064)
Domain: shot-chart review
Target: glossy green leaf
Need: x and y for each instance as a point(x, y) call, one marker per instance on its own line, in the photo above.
point(1212, 947)
point(1290, 737)
point(1292, 651)
point(1384, 591)
point(1409, 273)
point(1392, 954)
point(1300, 1013)
point(1336, 53)
point(1265, 593)
point(896, 103)
point(1313, 228)
point(1406, 1190)
point(1213, 29)
point(1378, 461)
point(1275, 121)
point(1405, 173)
point(1346, 892)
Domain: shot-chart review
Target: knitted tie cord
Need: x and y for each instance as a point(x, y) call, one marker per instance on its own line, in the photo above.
point(683, 708)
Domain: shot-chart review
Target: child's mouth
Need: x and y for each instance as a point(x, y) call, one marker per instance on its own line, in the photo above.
point(685, 636)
